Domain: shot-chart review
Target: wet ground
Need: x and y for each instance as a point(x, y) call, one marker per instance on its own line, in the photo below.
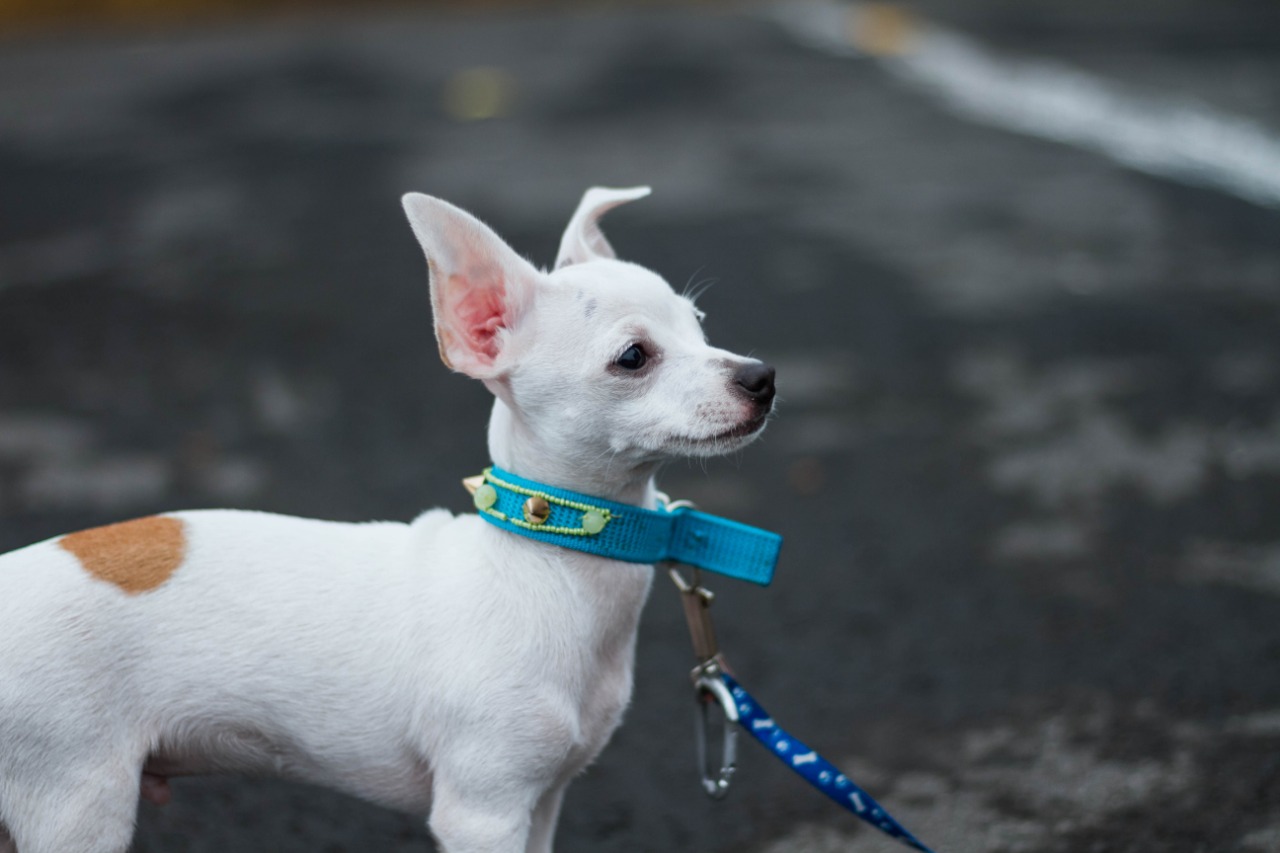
point(1027, 456)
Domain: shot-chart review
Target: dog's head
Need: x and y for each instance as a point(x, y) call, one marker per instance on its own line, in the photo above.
point(598, 362)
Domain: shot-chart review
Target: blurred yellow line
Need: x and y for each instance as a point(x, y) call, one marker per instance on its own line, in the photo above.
point(17, 15)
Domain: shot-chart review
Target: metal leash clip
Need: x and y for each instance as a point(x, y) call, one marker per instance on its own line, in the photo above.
point(709, 688)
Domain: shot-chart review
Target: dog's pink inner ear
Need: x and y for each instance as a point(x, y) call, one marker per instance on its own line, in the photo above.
point(481, 312)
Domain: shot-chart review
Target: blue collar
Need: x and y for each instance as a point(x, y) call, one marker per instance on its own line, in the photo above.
point(624, 532)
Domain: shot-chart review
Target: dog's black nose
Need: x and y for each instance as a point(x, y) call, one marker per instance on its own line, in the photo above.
point(755, 378)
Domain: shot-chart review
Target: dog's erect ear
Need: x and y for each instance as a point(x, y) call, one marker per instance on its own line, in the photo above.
point(583, 240)
point(480, 287)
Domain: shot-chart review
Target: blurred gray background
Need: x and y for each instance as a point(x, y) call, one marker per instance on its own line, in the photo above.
point(1018, 265)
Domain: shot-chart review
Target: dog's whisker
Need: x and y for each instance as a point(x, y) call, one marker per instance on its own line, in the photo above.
point(690, 283)
point(695, 293)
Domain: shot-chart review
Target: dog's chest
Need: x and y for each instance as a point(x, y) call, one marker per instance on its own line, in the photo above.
point(610, 677)
point(604, 705)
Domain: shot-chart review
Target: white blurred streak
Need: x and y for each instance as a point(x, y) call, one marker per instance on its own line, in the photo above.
point(1160, 134)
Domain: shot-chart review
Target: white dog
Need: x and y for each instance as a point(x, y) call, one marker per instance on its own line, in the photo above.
point(444, 667)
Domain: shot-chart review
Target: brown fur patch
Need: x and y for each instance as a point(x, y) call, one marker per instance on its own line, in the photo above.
point(136, 555)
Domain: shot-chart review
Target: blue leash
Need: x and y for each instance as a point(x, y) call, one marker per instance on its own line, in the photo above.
point(813, 768)
point(675, 532)
point(711, 684)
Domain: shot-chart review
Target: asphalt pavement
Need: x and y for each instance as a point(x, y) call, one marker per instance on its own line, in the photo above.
point(1018, 266)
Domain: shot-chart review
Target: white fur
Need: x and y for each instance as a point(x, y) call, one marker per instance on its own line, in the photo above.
point(442, 667)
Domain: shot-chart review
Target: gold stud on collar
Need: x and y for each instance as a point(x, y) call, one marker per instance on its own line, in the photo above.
point(536, 510)
point(473, 483)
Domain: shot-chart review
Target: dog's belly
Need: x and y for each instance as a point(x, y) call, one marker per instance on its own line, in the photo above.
point(396, 780)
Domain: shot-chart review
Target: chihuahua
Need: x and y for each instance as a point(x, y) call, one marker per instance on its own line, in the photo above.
point(444, 667)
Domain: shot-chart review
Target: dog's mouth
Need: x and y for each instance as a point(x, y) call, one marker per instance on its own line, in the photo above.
point(731, 438)
point(750, 426)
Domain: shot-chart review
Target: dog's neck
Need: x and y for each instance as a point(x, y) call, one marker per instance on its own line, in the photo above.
point(514, 448)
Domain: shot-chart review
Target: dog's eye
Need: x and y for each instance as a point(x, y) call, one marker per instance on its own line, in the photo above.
point(633, 359)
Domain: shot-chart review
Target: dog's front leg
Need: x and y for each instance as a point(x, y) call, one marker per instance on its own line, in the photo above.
point(497, 788)
point(476, 821)
point(545, 817)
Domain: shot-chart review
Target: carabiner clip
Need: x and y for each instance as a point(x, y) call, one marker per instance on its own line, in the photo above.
point(709, 687)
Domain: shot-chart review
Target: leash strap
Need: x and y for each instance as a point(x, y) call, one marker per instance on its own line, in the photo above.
point(812, 767)
point(624, 532)
point(711, 684)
